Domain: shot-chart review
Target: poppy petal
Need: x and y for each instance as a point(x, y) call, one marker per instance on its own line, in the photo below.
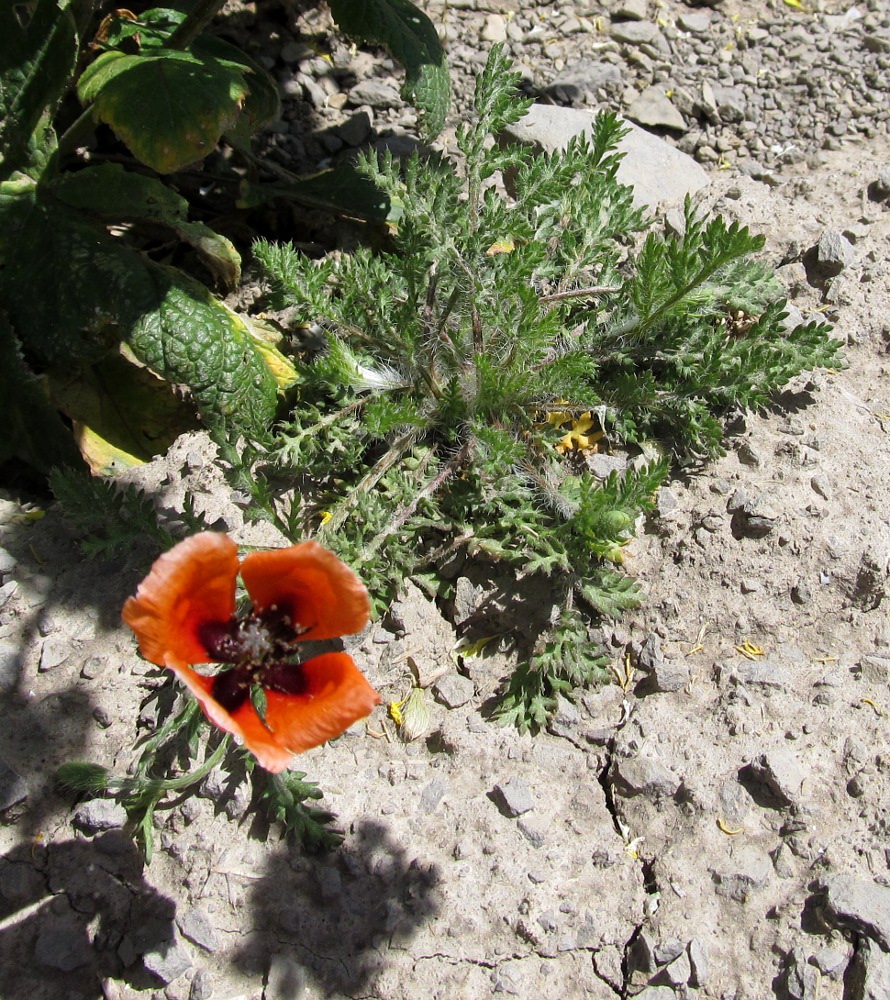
point(335, 695)
point(189, 586)
point(243, 722)
point(319, 591)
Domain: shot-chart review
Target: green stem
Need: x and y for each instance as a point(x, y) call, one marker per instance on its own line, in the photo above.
point(369, 481)
point(155, 787)
point(203, 12)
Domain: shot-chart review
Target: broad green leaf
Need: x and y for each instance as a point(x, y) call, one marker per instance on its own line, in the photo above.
point(110, 192)
point(30, 427)
point(70, 289)
point(169, 107)
point(411, 37)
point(193, 340)
point(38, 51)
point(121, 408)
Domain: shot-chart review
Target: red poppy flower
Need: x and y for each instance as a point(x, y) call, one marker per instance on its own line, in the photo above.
point(184, 613)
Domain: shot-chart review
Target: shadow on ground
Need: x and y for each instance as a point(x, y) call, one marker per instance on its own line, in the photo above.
point(329, 921)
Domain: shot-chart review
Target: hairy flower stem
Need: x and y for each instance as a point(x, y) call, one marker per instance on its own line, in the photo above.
point(398, 450)
point(407, 511)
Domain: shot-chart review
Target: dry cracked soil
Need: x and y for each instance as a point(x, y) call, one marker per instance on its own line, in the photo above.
point(712, 824)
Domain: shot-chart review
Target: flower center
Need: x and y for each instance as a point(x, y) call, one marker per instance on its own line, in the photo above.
point(256, 645)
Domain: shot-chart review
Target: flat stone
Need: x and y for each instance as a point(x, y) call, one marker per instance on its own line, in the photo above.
point(54, 653)
point(202, 985)
point(515, 795)
point(196, 926)
point(585, 76)
point(375, 94)
point(762, 673)
point(858, 904)
point(660, 175)
point(747, 870)
point(431, 796)
point(695, 22)
point(494, 29)
point(286, 979)
point(454, 690)
point(168, 960)
point(634, 32)
point(8, 562)
point(644, 776)
point(654, 108)
point(100, 814)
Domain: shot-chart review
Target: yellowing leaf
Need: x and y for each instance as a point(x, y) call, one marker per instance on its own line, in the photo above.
point(467, 649)
point(500, 246)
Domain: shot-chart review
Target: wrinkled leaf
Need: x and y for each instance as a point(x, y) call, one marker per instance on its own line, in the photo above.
point(169, 107)
point(30, 427)
point(412, 39)
point(38, 51)
point(194, 340)
point(125, 408)
point(110, 192)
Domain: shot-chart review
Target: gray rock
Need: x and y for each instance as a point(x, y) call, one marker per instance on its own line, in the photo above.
point(652, 107)
point(534, 829)
point(635, 32)
point(356, 129)
point(656, 993)
point(748, 869)
point(678, 971)
point(602, 465)
point(669, 675)
point(858, 904)
point(659, 174)
point(869, 976)
point(830, 962)
point(376, 94)
point(454, 690)
point(667, 951)
point(875, 669)
point(699, 963)
point(632, 10)
point(695, 22)
point(431, 796)
point(778, 769)
point(494, 29)
point(515, 795)
point(63, 944)
point(7, 591)
point(762, 673)
point(879, 189)
point(54, 653)
point(834, 252)
point(168, 960)
point(286, 979)
point(195, 925)
point(802, 980)
point(585, 76)
point(644, 776)
point(8, 562)
point(565, 720)
point(202, 985)
point(13, 788)
point(100, 814)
